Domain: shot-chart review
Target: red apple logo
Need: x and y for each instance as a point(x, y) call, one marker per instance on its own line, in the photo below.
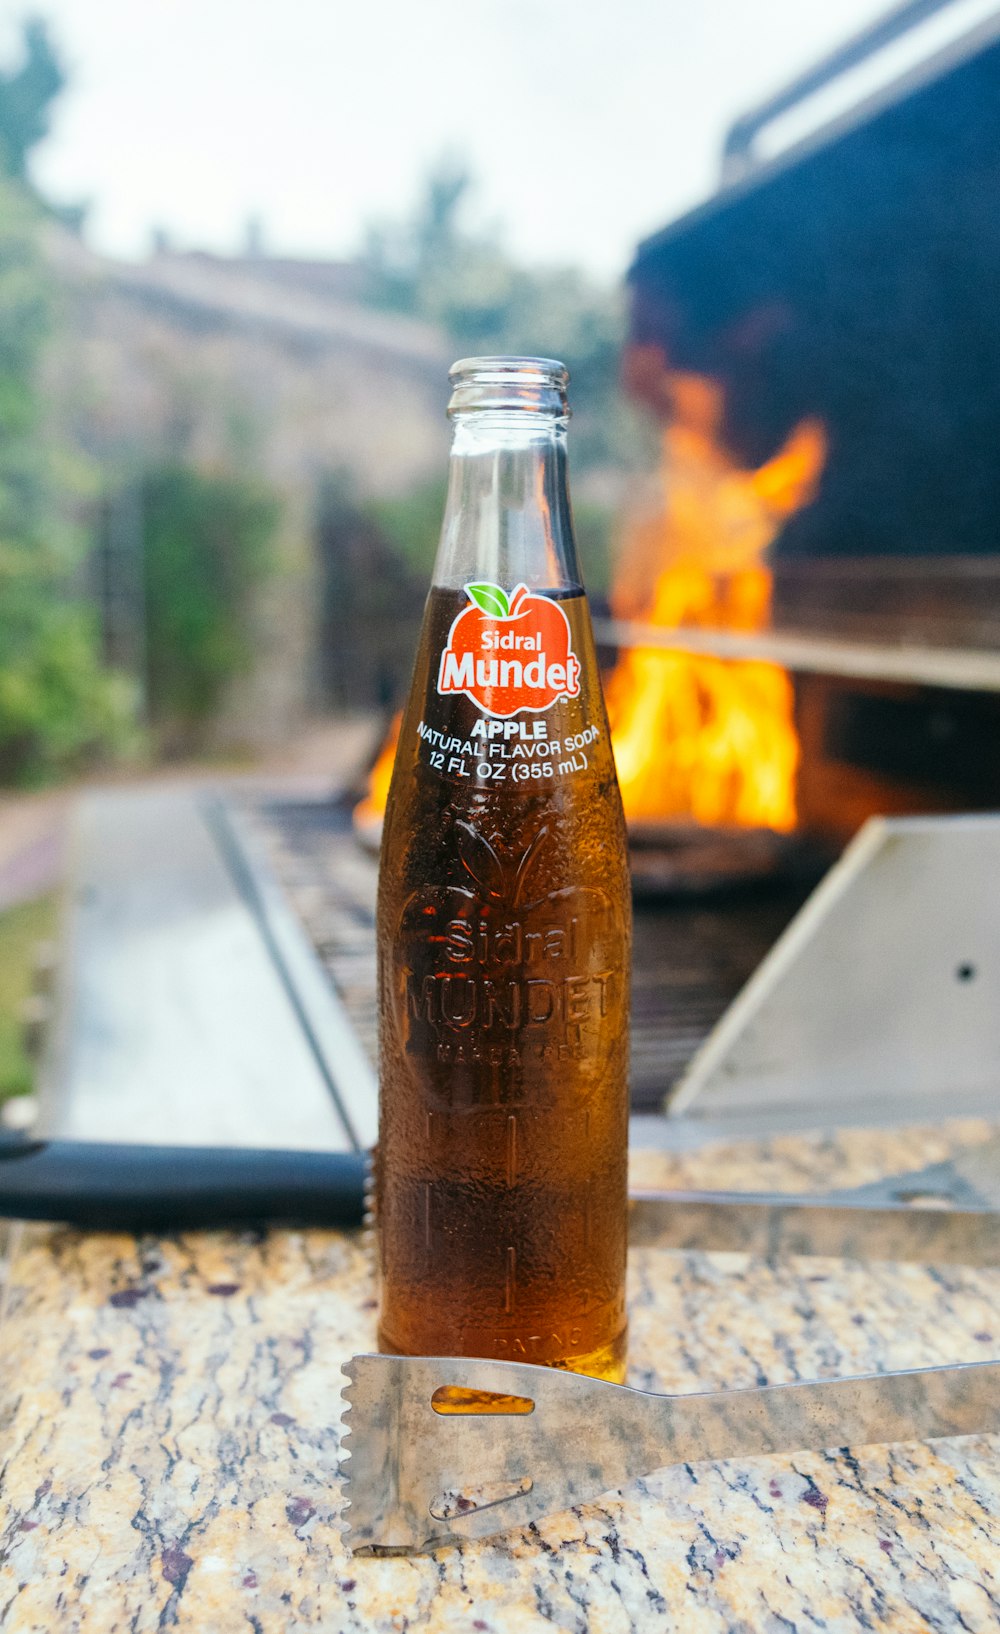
point(508, 653)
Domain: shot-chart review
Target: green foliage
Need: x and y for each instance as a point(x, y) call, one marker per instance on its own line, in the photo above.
point(21, 929)
point(57, 706)
point(207, 547)
point(434, 268)
point(26, 315)
point(411, 525)
point(370, 597)
point(593, 525)
point(468, 284)
point(431, 266)
point(26, 96)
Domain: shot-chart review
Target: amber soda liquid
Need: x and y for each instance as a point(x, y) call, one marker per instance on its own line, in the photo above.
point(504, 927)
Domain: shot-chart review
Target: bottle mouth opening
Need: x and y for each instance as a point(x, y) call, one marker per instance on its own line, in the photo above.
point(488, 384)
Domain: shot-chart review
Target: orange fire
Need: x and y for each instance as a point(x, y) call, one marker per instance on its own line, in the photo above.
point(370, 809)
point(702, 738)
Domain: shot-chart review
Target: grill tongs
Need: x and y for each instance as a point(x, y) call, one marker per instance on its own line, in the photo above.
point(443, 1449)
point(947, 1212)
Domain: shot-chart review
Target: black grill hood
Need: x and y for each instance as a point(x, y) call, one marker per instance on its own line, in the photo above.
point(858, 279)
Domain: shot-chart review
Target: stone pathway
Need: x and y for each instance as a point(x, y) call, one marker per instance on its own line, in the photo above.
point(31, 845)
point(33, 826)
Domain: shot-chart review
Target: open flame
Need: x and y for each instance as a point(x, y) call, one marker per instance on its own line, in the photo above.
point(702, 738)
point(368, 813)
point(696, 738)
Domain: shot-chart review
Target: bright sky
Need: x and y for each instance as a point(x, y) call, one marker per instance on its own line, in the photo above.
point(587, 123)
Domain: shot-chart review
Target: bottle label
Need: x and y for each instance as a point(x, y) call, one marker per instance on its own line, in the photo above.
point(509, 653)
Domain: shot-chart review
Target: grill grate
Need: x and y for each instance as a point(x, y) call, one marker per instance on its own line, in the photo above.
point(690, 958)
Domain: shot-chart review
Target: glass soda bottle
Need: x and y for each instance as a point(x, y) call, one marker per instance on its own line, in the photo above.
point(504, 924)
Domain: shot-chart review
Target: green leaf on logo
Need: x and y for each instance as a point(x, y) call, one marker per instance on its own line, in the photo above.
point(490, 598)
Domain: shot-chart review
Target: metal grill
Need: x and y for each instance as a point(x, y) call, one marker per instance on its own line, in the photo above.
point(689, 959)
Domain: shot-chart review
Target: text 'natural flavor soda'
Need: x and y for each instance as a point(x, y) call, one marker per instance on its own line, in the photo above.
point(504, 925)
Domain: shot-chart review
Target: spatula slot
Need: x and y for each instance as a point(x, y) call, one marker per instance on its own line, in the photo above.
point(466, 1500)
point(455, 1398)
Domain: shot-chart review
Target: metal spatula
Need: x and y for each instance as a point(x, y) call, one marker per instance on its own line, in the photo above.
point(444, 1448)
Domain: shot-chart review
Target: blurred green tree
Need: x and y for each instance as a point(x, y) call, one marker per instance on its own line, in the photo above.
point(207, 547)
point(57, 705)
point(433, 266)
point(26, 97)
point(411, 524)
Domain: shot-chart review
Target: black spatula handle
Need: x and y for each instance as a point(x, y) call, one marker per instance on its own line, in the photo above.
point(142, 1188)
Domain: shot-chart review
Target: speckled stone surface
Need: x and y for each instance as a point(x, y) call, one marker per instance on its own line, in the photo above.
point(170, 1421)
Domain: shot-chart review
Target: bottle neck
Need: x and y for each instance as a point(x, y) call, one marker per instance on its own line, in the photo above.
point(508, 519)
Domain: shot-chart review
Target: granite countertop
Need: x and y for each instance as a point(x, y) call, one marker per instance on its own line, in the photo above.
point(170, 1423)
